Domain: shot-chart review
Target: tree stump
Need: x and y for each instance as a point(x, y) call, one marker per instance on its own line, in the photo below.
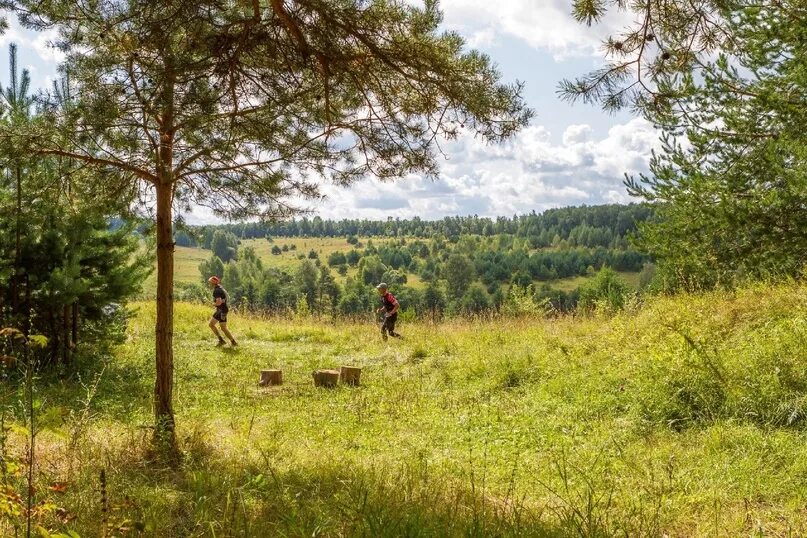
point(349, 375)
point(271, 378)
point(326, 378)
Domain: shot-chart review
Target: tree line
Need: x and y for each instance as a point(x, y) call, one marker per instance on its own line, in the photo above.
point(591, 226)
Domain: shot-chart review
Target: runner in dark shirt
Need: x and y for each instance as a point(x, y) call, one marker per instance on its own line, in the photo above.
point(390, 307)
point(220, 315)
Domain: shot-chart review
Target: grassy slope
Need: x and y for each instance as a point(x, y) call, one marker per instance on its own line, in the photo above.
point(592, 427)
point(186, 267)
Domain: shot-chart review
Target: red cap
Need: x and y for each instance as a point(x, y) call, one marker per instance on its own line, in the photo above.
point(214, 279)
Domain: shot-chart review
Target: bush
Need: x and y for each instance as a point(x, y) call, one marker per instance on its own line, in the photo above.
point(393, 277)
point(337, 258)
point(476, 300)
point(606, 289)
point(191, 293)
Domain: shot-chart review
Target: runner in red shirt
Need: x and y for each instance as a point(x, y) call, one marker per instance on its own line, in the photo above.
point(390, 307)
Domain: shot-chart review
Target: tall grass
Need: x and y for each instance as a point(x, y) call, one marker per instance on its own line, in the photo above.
point(682, 417)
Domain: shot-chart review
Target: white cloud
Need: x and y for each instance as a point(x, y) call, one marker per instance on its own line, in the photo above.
point(43, 45)
point(38, 42)
point(529, 172)
point(576, 134)
point(543, 24)
point(485, 37)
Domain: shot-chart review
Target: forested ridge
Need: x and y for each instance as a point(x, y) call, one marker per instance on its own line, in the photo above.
point(592, 226)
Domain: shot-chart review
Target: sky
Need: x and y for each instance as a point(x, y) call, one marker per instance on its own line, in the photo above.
point(568, 155)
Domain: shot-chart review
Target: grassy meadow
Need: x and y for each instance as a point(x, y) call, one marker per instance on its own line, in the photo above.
point(685, 417)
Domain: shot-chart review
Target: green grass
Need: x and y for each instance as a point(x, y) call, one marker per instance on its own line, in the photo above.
point(572, 283)
point(685, 417)
point(186, 267)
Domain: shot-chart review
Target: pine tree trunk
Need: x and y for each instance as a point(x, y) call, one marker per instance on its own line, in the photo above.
point(26, 311)
point(66, 334)
point(55, 341)
point(163, 387)
point(15, 283)
point(74, 327)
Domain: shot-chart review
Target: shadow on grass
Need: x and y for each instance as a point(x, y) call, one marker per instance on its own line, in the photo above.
point(113, 388)
point(225, 500)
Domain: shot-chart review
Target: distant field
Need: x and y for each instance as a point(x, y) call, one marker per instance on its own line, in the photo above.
point(186, 267)
point(187, 260)
point(324, 246)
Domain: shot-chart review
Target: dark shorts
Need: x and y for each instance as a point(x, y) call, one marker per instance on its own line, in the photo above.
point(220, 315)
point(389, 323)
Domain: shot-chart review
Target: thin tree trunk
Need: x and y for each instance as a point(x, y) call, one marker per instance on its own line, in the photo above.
point(163, 387)
point(26, 311)
point(15, 286)
point(66, 334)
point(74, 327)
point(55, 345)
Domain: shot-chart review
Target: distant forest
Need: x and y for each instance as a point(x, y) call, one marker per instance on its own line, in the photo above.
point(605, 226)
point(467, 264)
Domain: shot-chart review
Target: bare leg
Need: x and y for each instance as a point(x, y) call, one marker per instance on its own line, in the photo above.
point(213, 328)
point(384, 330)
point(227, 333)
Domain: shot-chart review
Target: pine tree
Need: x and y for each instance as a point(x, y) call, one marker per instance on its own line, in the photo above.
point(724, 81)
point(329, 292)
point(240, 105)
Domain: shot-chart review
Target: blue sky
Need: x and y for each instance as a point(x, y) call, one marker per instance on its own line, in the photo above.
point(569, 155)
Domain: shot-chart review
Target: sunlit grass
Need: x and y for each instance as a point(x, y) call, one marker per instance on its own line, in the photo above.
point(685, 417)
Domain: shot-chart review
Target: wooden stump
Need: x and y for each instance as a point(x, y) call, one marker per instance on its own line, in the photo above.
point(271, 378)
point(326, 378)
point(349, 375)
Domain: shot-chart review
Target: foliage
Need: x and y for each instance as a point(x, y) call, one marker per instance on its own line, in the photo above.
point(212, 267)
point(63, 263)
point(730, 181)
point(523, 301)
point(459, 274)
point(475, 300)
point(605, 289)
point(224, 245)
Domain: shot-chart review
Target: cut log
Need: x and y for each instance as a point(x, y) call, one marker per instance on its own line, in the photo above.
point(349, 375)
point(326, 378)
point(271, 378)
